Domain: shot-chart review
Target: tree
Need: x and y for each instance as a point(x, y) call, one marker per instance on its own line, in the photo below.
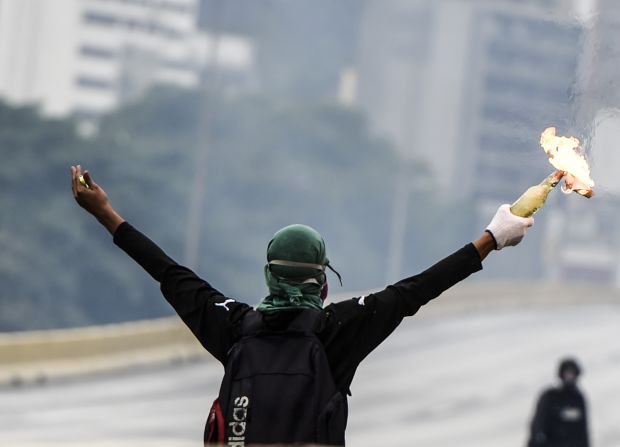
point(271, 163)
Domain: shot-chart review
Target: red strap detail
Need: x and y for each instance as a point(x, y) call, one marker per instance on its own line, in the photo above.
point(215, 424)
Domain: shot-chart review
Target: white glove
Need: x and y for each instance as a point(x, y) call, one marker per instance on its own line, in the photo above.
point(508, 229)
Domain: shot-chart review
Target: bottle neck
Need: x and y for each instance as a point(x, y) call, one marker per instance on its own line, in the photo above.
point(553, 179)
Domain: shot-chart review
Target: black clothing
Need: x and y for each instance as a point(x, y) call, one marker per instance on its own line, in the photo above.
point(560, 419)
point(349, 330)
point(289, 369)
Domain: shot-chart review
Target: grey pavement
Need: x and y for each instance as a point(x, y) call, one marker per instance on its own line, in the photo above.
point(466, 379)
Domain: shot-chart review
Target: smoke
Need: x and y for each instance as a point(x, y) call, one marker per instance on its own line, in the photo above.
point(596, 93)
point(604, 148)
point(586, 12)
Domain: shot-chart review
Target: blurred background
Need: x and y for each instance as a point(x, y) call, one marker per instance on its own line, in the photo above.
point(394, 127)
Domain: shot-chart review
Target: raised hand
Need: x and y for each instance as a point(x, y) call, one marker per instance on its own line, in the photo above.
point(93, 199)
point(508, 229)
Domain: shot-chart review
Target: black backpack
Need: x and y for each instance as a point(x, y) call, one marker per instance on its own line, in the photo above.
point(277, 388)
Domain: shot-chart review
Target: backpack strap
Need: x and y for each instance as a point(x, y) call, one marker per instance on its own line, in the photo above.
point(252, 324)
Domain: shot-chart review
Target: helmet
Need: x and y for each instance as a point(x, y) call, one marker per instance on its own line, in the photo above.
point(569, 364)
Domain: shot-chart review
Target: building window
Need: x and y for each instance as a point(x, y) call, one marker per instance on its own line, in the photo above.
point(180, 65)
point(513, 115)
point(173, 6)
point(147, 26)
point(97, 52)
point(97, 18)
point(526, 88)
point(94, 83)
point(507, 54)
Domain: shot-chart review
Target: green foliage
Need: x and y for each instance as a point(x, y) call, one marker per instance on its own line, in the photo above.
point(269, 164)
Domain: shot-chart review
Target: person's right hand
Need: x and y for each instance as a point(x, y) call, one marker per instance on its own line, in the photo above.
point(91, 197)
point(94, 200)
point(508, 229)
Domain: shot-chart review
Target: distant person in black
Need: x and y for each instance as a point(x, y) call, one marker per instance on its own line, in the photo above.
point(561, 418)
point(291, 321)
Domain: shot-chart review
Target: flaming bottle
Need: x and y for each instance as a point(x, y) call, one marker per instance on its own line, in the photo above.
point(534, 198)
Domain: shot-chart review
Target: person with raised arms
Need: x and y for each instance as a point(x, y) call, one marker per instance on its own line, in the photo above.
point(289, 362)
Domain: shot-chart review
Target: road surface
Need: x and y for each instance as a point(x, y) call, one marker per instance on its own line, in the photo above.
point(466, 379)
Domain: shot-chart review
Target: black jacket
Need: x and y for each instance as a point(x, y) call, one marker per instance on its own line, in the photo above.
point(349, 330)
point(560, 419)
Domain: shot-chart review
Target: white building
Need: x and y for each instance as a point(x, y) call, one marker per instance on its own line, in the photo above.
point(466, 87)
point(462, 85)
point(84, 57)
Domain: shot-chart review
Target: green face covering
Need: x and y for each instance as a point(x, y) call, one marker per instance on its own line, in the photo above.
point(295, 270)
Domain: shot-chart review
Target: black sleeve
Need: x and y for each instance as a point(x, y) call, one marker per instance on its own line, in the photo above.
point(352, 329)
point(207, 313)
point(538, 426)
point(585, 431)
point(142, 250)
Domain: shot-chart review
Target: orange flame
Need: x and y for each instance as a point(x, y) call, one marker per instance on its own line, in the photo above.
point(564, 155)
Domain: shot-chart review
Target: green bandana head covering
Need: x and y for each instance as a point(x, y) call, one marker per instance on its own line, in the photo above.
point(295, 270)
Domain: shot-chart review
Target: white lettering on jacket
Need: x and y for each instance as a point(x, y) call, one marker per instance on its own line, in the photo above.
point(571, 414)
point(239, 415)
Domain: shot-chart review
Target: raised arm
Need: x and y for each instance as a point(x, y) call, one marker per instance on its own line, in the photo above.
point(207, 312)
point(505, 229)
point(355, 327)
point(141, 249)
